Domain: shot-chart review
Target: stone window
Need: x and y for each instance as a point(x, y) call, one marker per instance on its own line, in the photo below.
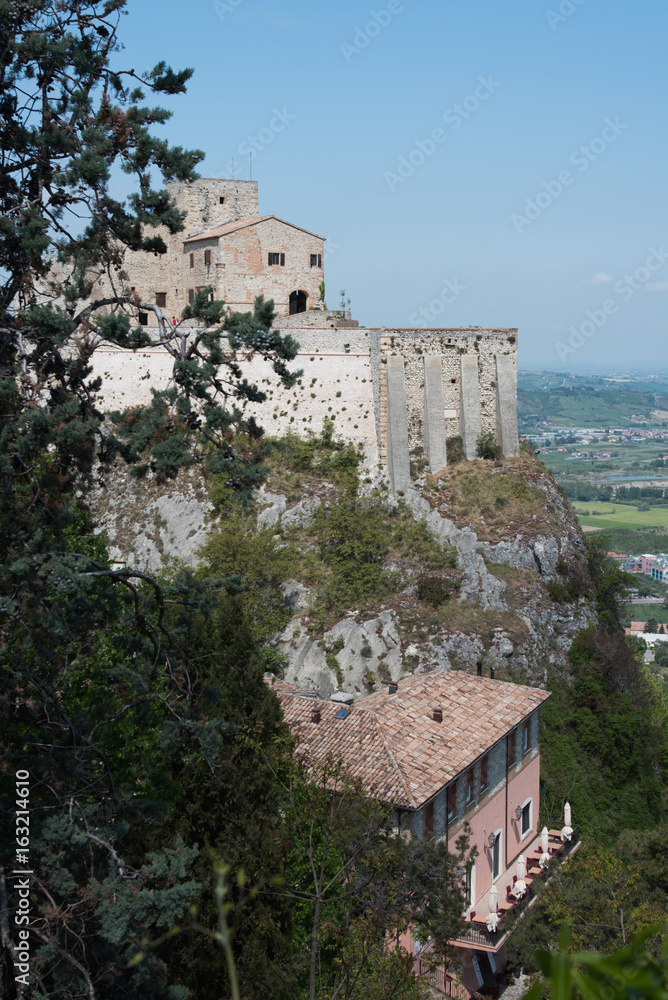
point(316, 260)
point(191, 295)
point(512, 748)
point(207, 258)
point(276, 259)
point(143, 319)
point(470, 792)
point(526, 736)
point(469, 883)
point(161, 299)
point(429, 821)
point(452, 801)
point(527, 824)
point(484, 773)
point(221, 200)
point(192, 259)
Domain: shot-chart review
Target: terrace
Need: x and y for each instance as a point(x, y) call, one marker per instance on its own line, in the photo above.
point(474, 933)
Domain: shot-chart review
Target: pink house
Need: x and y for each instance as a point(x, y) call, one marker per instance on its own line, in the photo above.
point(444, 748)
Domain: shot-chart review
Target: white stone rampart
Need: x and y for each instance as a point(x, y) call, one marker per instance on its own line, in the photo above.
point(398, 459)
point(344, 379)
point(435, 444)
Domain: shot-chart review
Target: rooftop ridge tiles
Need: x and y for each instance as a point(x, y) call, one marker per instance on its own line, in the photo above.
point(225, 228)
point(395, 765)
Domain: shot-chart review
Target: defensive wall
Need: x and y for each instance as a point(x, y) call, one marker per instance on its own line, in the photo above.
point(387, 390)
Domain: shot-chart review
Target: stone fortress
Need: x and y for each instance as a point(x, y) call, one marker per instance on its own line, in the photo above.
point(228, 246)
point(387, 390)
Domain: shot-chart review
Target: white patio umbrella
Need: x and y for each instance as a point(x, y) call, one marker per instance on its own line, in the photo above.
point(545, 840)
point(493, 899)
point(567, 814)
point(521, 868)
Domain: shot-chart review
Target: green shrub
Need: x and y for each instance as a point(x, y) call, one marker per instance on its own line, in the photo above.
point(488, 447)
point(574, 582)
point(261, 566)
point(455, 450)
point(434, 590)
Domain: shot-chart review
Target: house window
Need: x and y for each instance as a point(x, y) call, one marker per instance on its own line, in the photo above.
point(526, 736)
point(496, 856)
point(452, 801)
point(143, 319)
point(191, 295)
point(484, 773)
point(192, 259)
point(469, 786)
point(276, 259)
point(512, 748)
point(316, 260)
point(221, 200)
point(429, 821)
point(526, 818)
point(207, 258)
point(161, 299)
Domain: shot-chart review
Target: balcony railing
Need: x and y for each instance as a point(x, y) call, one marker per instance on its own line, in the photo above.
point(477, 933)
point(439, 980)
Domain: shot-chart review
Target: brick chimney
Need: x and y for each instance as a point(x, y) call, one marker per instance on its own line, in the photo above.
point(438, 715)
point(315, 716)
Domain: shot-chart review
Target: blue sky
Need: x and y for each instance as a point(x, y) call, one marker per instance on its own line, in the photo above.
point(471, 162)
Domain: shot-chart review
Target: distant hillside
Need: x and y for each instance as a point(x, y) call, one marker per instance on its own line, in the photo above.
point(547, 399)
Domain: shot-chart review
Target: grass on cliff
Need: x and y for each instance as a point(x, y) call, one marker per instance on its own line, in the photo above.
point(355, 554)
point(497, 499)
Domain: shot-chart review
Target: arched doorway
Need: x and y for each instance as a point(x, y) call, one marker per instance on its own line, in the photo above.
point(298, 302)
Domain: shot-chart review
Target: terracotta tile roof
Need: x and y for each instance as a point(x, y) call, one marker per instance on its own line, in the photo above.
point(232, 227)
point(391, 743)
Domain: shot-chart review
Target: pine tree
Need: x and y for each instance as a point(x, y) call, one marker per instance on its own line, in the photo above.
point(95, 683)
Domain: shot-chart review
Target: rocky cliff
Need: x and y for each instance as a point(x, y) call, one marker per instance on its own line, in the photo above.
point(463, 562)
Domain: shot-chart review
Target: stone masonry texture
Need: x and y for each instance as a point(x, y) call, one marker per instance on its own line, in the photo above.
point(398, 460)
point(470, 418)
point(239, 268)
point(434, 409)
point(506, 406)
point(237, 264)
point(344, 379)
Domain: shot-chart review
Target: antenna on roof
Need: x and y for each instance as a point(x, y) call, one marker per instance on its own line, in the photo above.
point(233, 168)
point(250, 166)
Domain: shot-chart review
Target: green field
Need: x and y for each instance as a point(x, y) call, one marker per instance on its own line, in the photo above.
point(620, 516)
point(643, 613)
point(627, 460)
point(569, 401)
